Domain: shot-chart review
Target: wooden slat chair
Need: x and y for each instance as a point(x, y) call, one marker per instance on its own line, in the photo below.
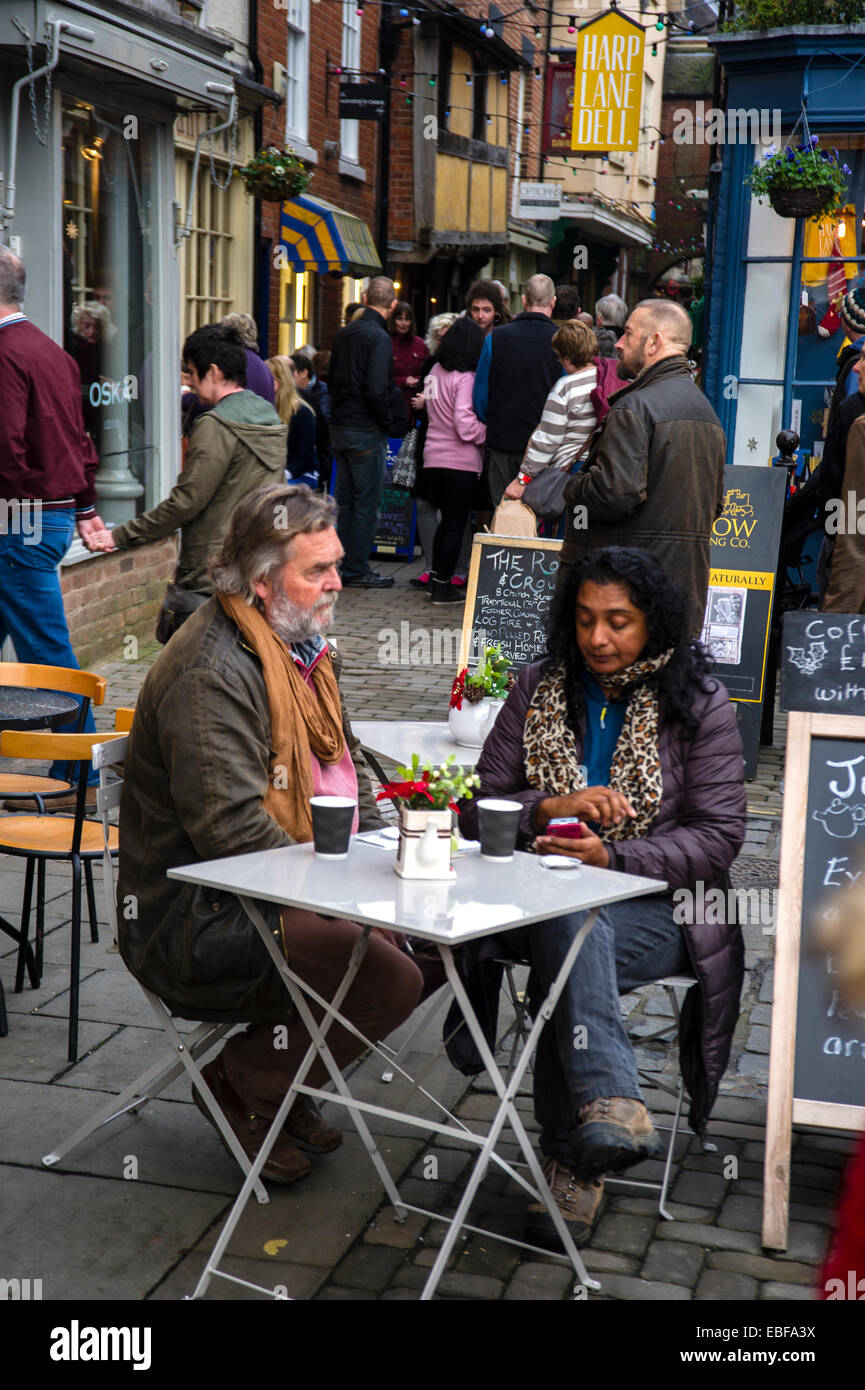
point(40, 789)
point(123, 720)
point(28, 786)
point(184, 1048)
point(43, 838)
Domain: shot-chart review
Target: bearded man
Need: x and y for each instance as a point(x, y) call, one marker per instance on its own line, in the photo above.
point(239, 722)
point(654, 475)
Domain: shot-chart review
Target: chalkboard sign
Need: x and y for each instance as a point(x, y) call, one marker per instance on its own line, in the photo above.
point(817, 1059)
point(823, 662)
point(510, 588)
point(744, 558)
point(397, 514)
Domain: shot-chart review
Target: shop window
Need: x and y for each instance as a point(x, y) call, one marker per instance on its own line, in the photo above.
point(295, 290)
point(480, 83)
point(352, 290)
point(349, 131)
point(206, 258)
point(297, 71)
point(108, 195)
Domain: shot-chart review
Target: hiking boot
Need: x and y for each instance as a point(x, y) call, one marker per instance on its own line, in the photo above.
point(285, 1163)
point(442, 592)
point(308, 1128)
point(614, 1133)
point(577, 1199)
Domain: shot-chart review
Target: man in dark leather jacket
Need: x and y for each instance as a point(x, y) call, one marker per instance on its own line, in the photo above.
point(654, 476)
point(204, 764)
point(361, 400)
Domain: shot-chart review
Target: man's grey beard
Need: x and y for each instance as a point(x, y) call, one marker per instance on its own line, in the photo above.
point(294, 623)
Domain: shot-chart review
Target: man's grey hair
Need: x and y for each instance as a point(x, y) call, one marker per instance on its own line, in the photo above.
point(13, 277)
point(245, 327)
point(380, 292)
point(662, 316)
point(611, 311)
point(540, 290)
point(260, 532)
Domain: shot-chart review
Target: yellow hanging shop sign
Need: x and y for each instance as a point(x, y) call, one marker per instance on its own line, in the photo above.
point(608, 84)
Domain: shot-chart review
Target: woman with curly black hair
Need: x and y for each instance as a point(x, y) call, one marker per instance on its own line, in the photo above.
point(624, 730)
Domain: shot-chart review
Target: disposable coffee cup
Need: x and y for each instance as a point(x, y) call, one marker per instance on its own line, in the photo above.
point(331, 825)
point(499, 823)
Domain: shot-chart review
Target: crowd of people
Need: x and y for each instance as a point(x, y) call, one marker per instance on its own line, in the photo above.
point(620, 724)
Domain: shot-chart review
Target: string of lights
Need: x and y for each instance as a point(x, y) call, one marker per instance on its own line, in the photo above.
point(571, 22)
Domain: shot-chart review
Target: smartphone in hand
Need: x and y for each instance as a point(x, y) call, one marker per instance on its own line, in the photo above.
point(565, 827)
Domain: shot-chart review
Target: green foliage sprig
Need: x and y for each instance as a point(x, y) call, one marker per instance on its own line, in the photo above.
point(783, 14)
point(275, 174)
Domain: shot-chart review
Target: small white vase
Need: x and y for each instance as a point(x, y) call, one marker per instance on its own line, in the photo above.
point(424, 844)
point(470, 724)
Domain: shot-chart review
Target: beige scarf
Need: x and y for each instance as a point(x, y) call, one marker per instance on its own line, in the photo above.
point(302, 720)
point(550, 748)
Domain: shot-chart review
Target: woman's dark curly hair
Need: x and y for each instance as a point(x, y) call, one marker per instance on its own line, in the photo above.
point(666, 608)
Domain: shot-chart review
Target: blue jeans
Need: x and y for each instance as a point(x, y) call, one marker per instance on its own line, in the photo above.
point(361, 458)
point(31, 604)
point(584, 1052)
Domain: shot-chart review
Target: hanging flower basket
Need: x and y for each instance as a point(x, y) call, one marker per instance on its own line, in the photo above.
point(801, 180)
point(273, 175)
point(802, 202)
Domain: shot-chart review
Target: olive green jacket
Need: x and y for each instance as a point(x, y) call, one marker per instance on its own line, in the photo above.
point(195, 778)
point(237, 446)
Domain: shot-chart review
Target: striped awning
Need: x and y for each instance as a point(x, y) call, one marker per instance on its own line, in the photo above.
point(319, 236)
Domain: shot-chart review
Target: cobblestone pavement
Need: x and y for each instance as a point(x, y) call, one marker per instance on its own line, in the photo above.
point(129, 1214)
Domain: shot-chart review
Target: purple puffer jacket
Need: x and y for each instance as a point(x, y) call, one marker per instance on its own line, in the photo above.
point(697, 834)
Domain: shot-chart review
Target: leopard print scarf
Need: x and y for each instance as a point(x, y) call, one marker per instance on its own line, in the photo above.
point(550, 748)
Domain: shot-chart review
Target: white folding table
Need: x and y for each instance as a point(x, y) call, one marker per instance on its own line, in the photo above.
point(397, 739)
point(482, 900)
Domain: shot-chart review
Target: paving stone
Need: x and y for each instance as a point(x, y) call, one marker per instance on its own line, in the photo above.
point(451, 1284)
point(450, 1165)
point(369, 1267)
point(491, 1258)
point(739, 1110)
point(399, 1296)
point(753, 1064)
point(815, 1196)
point(673, 1262)
point(719, 1283)
point(660, 1006)
point(766, 988)
point(539, 1281)
point(754, 1153)
point(334, 1294)
point(699, 1189)
point(785, 1292)
point(640, 1290)
point(385, 1230)
point(760, 1267)
point(742, 1213)
point(806, 1241)
point(810, 1175)
point(629, 1235)
point(291, 1280)
point(802, 1211)
point(712, 1237)
point(648, 1206)
point(599, 1261)
point(761, 1013)
point(759, 1038)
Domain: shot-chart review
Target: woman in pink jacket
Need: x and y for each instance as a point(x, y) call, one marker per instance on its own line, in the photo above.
point(453, 449)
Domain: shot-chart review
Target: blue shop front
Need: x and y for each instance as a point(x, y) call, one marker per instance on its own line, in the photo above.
point(772, 339)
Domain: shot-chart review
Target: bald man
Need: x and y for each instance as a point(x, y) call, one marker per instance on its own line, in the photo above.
point(654, 476)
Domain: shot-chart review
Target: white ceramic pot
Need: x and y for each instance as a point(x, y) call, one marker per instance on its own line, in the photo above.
point(424, 844)
point(470, 724)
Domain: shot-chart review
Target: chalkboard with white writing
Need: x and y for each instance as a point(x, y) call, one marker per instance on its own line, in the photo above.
point(510, 588)
point(830, 1036)
point(823, 663)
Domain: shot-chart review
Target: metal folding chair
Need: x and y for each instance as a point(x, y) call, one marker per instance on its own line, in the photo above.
point(185, 1050)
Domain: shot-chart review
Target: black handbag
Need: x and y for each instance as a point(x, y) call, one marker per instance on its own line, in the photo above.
point(545, 494)
point(178, 605)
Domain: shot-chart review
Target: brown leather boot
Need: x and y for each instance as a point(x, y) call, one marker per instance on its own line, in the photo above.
point(309, 1129)
point(577, 1199)
point(614, 1133)
point(285, 1163)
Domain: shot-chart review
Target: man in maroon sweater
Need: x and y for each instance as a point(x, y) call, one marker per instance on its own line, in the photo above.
point(47, 466)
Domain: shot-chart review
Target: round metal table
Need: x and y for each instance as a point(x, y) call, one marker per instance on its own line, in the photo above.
point(26, 708)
